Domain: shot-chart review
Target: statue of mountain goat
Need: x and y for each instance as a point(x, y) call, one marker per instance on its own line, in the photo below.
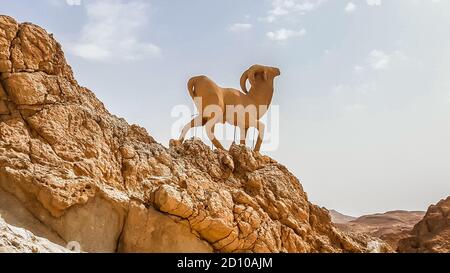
point(242, 109)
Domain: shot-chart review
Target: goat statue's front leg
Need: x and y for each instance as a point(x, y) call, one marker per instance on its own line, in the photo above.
point(210, 127)
point(196, 122)
point(261, 128)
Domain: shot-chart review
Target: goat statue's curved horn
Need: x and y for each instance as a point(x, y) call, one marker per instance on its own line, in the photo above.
point(244, 78)
point(248, 75)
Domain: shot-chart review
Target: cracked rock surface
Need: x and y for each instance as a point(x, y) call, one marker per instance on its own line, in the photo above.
point(78, 173)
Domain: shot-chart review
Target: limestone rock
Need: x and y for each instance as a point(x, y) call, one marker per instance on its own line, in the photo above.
point(90, 177)
point(432, 233)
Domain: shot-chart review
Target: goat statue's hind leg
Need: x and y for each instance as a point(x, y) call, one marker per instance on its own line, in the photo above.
point(243, 135)
point(261, 128)
point(210, 132)
point(196, 122)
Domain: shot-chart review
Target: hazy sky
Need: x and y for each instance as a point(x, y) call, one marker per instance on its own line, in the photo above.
point(364, 95)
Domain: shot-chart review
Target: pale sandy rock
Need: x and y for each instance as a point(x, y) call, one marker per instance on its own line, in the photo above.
point(16, 214)
point(19, 240)
point(89, 176)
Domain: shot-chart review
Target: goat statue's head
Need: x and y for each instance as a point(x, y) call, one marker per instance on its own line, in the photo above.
point(258, 73)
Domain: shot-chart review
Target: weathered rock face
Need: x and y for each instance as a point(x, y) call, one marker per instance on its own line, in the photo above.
point(88, 176)
point(432, 233)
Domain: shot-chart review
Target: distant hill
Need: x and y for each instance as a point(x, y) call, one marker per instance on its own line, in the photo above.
point(339, 218)
point(390, 226)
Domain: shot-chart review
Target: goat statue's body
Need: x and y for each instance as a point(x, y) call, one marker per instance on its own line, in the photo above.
point(242, 109)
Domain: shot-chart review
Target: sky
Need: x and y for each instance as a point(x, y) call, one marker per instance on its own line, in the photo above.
point(363, 98)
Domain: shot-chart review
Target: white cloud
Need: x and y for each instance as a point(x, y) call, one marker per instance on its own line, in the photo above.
point(240, 27)
point(355, 107)
point(283, 8)
point(112, 31)
point(73, 2)
point(359, 69)
point(357, 90)
point(353, 97)
point(284, 34)
point(374, 2)
point(350, 7)
point(379, 60)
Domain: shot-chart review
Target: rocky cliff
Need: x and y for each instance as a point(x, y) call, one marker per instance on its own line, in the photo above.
point(432, 233)
point(71, 171)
